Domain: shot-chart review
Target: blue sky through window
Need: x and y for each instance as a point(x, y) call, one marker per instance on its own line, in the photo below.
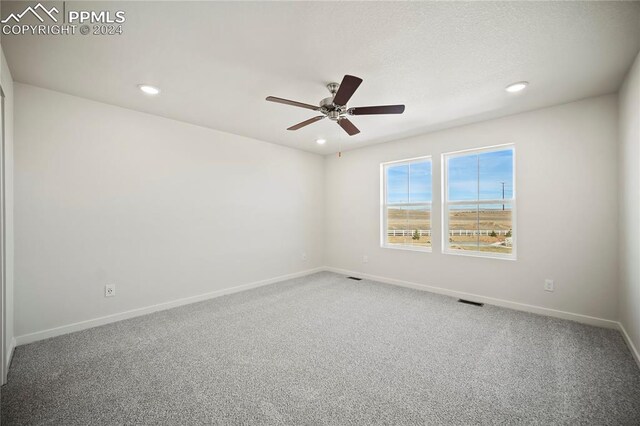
point(409, 183)
point(412, 183)
point(492, 168)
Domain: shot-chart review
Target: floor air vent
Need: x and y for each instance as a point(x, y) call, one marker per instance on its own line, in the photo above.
point(469, 302)
point(355, 278)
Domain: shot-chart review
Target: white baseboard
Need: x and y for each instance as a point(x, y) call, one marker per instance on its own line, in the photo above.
point(70, 328)
point(586, 319)
point(10, 349)
point(83, 325)
point(629, 342)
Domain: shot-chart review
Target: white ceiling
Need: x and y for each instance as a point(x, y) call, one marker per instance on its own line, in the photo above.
point(448, 62)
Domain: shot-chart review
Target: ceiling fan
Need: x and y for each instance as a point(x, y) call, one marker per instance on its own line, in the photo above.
point(335, 106)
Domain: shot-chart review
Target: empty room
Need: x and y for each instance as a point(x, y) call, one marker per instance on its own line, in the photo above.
point(320, 213)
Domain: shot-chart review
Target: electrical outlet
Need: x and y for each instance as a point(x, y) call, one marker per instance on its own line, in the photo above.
point(109, 290)
point(365, 259)
point(549, 285)
point(303, 256)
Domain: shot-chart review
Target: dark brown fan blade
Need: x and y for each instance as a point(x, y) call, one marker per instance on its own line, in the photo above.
point(346, 90)
point(382, 109)
point(306, 122)
point(292, 103)
point(348, 126)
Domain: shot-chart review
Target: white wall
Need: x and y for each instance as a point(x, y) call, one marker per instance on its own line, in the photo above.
point(7, 86)
point(162, 209)
point(566, 210)
point(167, 210)
point(629, 160)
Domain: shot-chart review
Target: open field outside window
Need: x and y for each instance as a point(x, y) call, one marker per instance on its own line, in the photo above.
point(406, 204)
point(479, 202)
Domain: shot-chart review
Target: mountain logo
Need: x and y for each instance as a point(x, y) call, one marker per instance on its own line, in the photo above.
point(34, 11)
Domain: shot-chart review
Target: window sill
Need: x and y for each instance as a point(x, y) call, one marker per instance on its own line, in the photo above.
point(469, 253)
point(407, 248)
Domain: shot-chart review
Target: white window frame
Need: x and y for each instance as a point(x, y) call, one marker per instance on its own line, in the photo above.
point(384, 205)
point(446, 203)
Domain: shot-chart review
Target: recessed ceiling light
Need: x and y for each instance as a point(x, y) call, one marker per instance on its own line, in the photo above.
point(149, 90)
point(517, 87)
point(321, 141)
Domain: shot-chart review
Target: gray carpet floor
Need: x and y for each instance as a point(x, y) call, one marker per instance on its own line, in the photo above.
point(327, 350)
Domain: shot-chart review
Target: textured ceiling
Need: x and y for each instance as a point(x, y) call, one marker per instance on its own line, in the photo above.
point(447, 61)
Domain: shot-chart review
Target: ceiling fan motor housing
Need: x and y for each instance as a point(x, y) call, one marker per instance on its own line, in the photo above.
point(327, 103)
point(328, 108)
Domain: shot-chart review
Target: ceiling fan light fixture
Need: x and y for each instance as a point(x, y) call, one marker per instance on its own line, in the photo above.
point(517, 87)
point(321, 141)
point(148, 89)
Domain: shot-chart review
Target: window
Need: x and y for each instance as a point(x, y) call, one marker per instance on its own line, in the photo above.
point(406, 204)
point(479, 202)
